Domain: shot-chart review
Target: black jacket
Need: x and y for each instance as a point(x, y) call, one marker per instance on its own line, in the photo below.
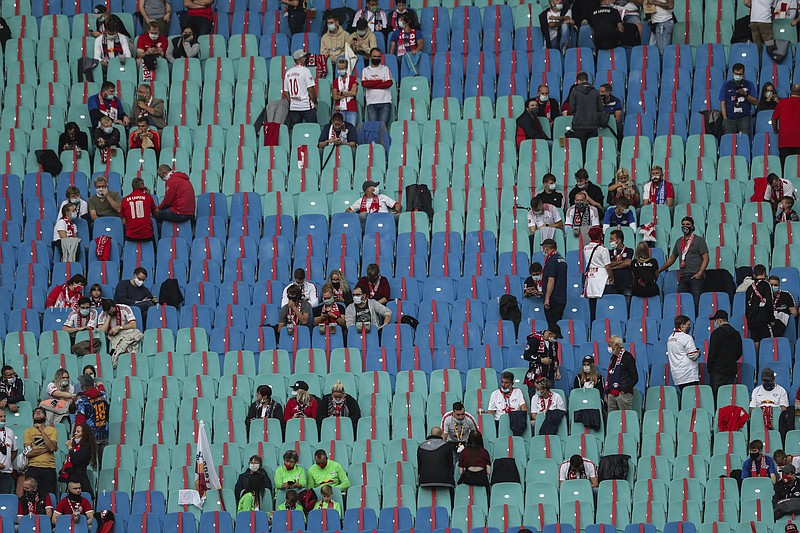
point(244, 480)
point(783, 491)
point(14, 393)
point(629, 375)
point(353, 410)
point(757, 293)
point(81, 141)
point(536, 368)
point(254, 411)
point(724, 350)
point(435, 463)
point(586, 105)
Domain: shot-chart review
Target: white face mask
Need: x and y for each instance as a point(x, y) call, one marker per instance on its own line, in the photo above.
point(361, 33)
point(75, 201)
point(138, 282)
point(401, 23)
point(544, 97)
point(767, 94)
point(586, 369)
point(254, 467)
point(153, 36)
point(85, 312)
point(108, 129)
point(358, 299)
point(109, 97)
point(331, 28)
point(610, 349)
point(73, 215)
point(551, 187)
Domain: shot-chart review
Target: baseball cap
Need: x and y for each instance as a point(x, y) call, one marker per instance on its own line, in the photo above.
point(767, 374)
point(361, 24)
point(789, 469)
point(299, 54)
point(367, 184)
point(555, 330)
point(588, 359)
point(300, 385)
point(720, 314)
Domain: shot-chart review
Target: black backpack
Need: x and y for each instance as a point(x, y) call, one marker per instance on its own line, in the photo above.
point(509, 309)
point(418, 198)
point(613, 467)
point(712, 121)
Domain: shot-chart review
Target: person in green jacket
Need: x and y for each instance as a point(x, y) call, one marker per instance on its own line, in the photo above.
point(290, 475)
point(327, 500)
point(291, 502)
point(251, 498)
point(325, 471)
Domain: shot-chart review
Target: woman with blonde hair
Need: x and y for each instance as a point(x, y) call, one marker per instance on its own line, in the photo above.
point(341, 289)
point(645, 272)
point(339, 403)
point(588, 377)
point(60, 396)
point(623, 187)
point(302, 404)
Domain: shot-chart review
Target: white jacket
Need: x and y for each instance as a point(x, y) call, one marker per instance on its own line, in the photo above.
point(683, 356)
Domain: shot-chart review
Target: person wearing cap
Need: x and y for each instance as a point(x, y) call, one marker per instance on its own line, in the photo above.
point(374, 285)
point(92, 409)
point(621, 378)
point(365, 312)
point(300, 90)
point(332, 43)
point(759, 310)
point(768, 395)
point(295, 313)
point(783, 305)
point(200, 15)
point(343, 91)
point(724, 352)
point(264, 406)
point(588, 377)
point(758, 464)
point(339, 403)
point(693, 253)
point(788, 487)
point(373, 202)
point(506, 399)
point(554, 284)
point(597, 269)
point(541, 352)
point(362, 39)
point(594, 194)
point(577, 467)
point(337, 133)
point(376, 78)
point(308, 291)
point(302, 404)
point(683, 354)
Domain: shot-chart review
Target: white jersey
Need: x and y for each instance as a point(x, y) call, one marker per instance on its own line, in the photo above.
point(683, 356)
point(296, 83)
point(589, 471)
point(550, 215)
point(123, 316)
point(309, 291)
point(377, 204)
point(502, 404)
point(379, 73)
point(10, 441)
point(554, 403)
point(776, 397)
point(596, 273)
point(76, 320)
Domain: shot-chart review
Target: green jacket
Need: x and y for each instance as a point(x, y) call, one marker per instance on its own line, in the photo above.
point(296, 474)
point(246, 503)
point(333, 474)
point(334, 505)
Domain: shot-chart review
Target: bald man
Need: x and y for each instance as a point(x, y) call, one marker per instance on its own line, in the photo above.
point(435, 461)
point(786, 123)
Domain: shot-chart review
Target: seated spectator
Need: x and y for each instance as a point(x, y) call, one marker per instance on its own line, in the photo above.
point(32, 502)
point(376, 18)
point(158, 11)
point(594, 194)
point(658, 190)
point(73, 138)
point(143, 137)
point(60, 388)
point(106, 103)
point(302, 404)
point(89, 370)
point(505, 399)
point(768, 395)
point(372, 202)
point(96, 295)
point(253, 482)
point(66, 295)
point(528, 125)
point(329, 312)
point(623, 187)
point(777, 189)
point(111, 44)
point(362, 39)
point(588, 377)
point(178, 204)
point(65, 228)
point(103, 203)
point(435, 461)
point(543, 218)
point(290, 475)
point(785, 211)
point(337, 133)
point(149, 107)
point(758, 464)
point(119, 323)
point(375, 286)
point(308, 291)
point(73, 196)
point(768, 99)
point(343, 91)
point(149, 47)
point(619, 215)
point(137, 210)
point(12, 389)
point(106, 139)
point(788, 487)
point(74, 504)
point(457, 425)
point(339, 403)
point(532, 288)
point(84, 318)
point(264, 406)
point(558, 27)
point(581, 217)
point(782, 459)
point(295, 313)
point(132, 292)
point(365, 312)
point(183, 46)
point(401, 8)
point(332, 42)
point(474, 463)
point(578, 467)
point(326, 501)
point(200, 15)
point(340, 287)
point(550, 193)
point(783, 305)
point(291, 502)
point(545, 400)
point(406, 39)
point(325, 471)
point(644, 269)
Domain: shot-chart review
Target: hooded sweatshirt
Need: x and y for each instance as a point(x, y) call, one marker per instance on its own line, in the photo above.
point(724, 350)
point(585, 104)
point(179, 194)
point(92, 408)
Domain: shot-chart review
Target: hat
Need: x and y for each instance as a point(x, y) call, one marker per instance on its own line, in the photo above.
point(361, 24)
point(300, 385)
point(86, 381)
point(299, 54)
point(790, 528)
point(789, 469)
point(767, 374)
point(588, 359)
point(367, 184)
point(99, 9)
point(720, 314)
point(555, 329)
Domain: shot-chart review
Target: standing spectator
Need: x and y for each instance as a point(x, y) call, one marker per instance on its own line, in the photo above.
point(8, 452)
point(724, 352)
point(597, 269)
point(200, 15)
point(290, 475)
point(683, 354)
point(295, 312)
point(158, 11)
point(137, 210)
point(179, 200)
point(149, 107)
point(528, 125)
point(296, 12)
point(786, 123)
point(376, 18)
point(66, 295)
point(32, 501)
point(42, 441)
point(505, 399)
point(693, 251)
point(300, 90)
point(644, 270)
point(143, 137)
point(474, 463)
point(333, 41)
point(337, 133)
point(532, 286)
point(769, 99)
point(365, 312)
point(253, 481)
point(111, 44)
point(785, 211)
point(548, 107)
point(435, 461)
point(302, 404)
point(104, 18)
point(73, 196)
point(376, 80)
point(619, 215)
point(760, 23)
point(588, 377)
point(82, 453)
point(622, 376)
point(119, 323)
point(327, 472)
point(550, 193)
point(133, 293)
point(594, 194)
point(662, 22)
point(12, 389)
point(543, 218)
point(457, 425)
point(554, 285)
point(103, 203)
point(607, 26)
point(341, 289)
point(264, 406)
point(92, 409)
point(759, 310)
point(558, 26)
point(581, 217)
point(737, 101)
point(585, 105)
point(406, 39)
point(621, 258)
point(623, 187)
point(73, 139)
point(577, 467)
point(658, 190)
point(75, 505)
point(362, 39)
point(758, 464)
point(375, 286)
point(183, 46)
point(545, 399)
point(541, 352)
point(339, 403)
point(329, 312)
point(777, 188)
point(611, 105)
point(65, 228)
point(783, 305)
point(308, 291)
point(344, 91)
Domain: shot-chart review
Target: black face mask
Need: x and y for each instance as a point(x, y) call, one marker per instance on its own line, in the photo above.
point(755, 456)
point(38, 420)
point(375, 62)
point(74, 497)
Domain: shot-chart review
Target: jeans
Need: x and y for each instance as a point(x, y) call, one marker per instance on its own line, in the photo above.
point(350, 117)
point(737, 125)
point(661, 36)
point(567, 36)
point(688, 284)
point(297, 117)
point(169, 216)
point(718, 380)
point(554, 314)
point(380, 113)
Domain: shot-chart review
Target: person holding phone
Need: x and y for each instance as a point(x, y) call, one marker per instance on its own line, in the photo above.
point(290, 475)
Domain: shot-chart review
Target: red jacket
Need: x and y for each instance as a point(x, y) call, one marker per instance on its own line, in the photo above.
point(179, 195)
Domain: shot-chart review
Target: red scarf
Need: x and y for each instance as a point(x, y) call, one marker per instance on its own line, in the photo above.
point(685, 249)
point(373, 288)
point(68, 298)
point(766, 410)
point(373, 207)
point(331, 309)
point(108, 107)
point(777, 192)
point(406, 42)
point(545, 404)
point(761, 470)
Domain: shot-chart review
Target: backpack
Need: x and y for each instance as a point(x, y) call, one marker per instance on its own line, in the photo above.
point(509, 309)
point(307, 499)
point(613, 467)
point(418, 198)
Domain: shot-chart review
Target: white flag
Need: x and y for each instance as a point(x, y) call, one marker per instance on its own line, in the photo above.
point(205, 477)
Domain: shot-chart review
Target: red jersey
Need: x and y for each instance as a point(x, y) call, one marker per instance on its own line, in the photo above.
point(144, 42)
point(202, 12)
point(67, 507)
point(135, 140)
point(136, 211)
point(788, 111)
point(178, 194)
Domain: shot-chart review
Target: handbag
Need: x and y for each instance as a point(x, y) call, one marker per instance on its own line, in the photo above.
point(66, 471)
point(21, 462)
point(54, 405)
point(588, 264)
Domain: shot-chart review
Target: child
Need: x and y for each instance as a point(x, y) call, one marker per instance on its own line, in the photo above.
point(96, 294)
point(327, 500)
point(533, 283)
point(291, 502)
point(251, 498)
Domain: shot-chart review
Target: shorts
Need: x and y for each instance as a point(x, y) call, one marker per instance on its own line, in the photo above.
point(758, 333)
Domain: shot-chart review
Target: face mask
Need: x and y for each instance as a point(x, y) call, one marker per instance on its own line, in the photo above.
point(108, 129)
point(754, 456)
point(580, 203)
point(342, 72)
point(372, 279)
point(583, 185)
point(109, 97)
point(586, 369)
point(76, 440)
point(74, 497)
point(337, 401)
point(767, 94)
point(559, 7)
point(376, 190)
point(73, 215)
point(539, 393)
point(504, 391)
point(138, 282)
point(254, 467)
point(738, 77)
point(187, 37)
point(75, 201)
point(358, 299)
point(64, 383)
point(375, 62)
point(787, 479)
point(153, 36)
point(401, 24)
point(769, 386)
point(331, 28)
point(775, 290)
point(11, 381)
point(610, 349)
point(361, 33)
point(336, 284)
point(84, 312)
point(656, 177)
point(539, 212)
point(625, 211)
point(2, 425)
point(536, 278)
point(374, 9)
point(30, 494)
point(551, 187)
point(101, 192)
point(38, 420)
point(328, 301)
point(686, 230)
point(544, 97)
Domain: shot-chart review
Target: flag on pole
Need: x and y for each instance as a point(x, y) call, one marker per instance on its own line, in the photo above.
point(205, 476)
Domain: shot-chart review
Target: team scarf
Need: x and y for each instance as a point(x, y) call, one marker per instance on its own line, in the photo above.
point(328, 309)
point(82, 321)
point(406, 41)
point(766, 410)
point(67, 298)
point(658, 193)
point(108, 107)
point(581, 215)
point(395, 17)
point(777, 192)
point(759, 470)
point(338, 409)
point(343, 84)
point(111, 48)
point(373, 207)
point(545, 403)
point(374, 288)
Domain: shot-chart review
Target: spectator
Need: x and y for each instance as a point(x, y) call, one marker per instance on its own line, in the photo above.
point(12, 389)
point(768, 395)
point(264, 406)
point(253, 483)
point(662, 23)
point(362, 40)
point(621, 378)
point(42, 441)
point(373, 202)
point(644, 270)
point(629, 11)
point(683, 354)
point(92, 409)
point(341, 289)
point(327, 472)
point(528, 125)
point(133, 293)
point(597, 269)
point(545, 399)
point(607, 26)
point(299, 89)
point(558, 27)
point(143, 137)
point(785, 211)
point(308, 291)
point(8, 452)
point(329, 312)
point(693, 251)
point(620, 215)
point(760, 23)
point(554, 285)
point(759, 310)
point(375, 286)
point(786, 123)
point(32, 501)
point(158, 11)
point(782, 459)
point(376, 78)
point(103, 19)
point(302, 404)
point(111, 44)
point(136, 211)
point(178, 204)
point(585, 105)
point(658, 190)
point(104, 203)
point(296, 11)
point(621, 258)
point(200, 15)
point(96, 295)
point(581, 217)
point(623, 187)
point(400, 10)
point(63, 393)
point(74, 504)
point(505, 399)
point(724, 352)
point(66, 296)
point(588, 377)
point(290, 475)
point(106, 138)
point(788, 487)
point(333, 41)
point(339, 403)
point(291, 502)
point(474, 463)
point(550, 193)
point(578, 467)
point(611, 104)
point(736, 101)
point(149, 107)
point(758, 464)
point(783, 305)
point(777, 188)
point(183, 46)
point(337, 133)
point(532, 287)
point(769, 99)
point(548, 107)
point(119, 323)
point(295, 312)
point(84, 318)
point(150, 46)
point(541, 352)
point(374, 15)
point(327, 502)
point(73, 196)
point(65, 228)
point(343, 91)
point(89, 370)
point(594, 194)
point(435, 461)
point(82, 453)
point(406, 39)
point(457, 425)
point(365, 312)
point(73, 139)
